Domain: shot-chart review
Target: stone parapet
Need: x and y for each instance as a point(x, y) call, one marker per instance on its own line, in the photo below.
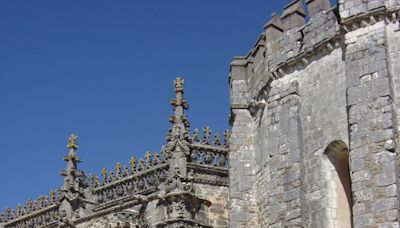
point(162, 189)
point(279, 47)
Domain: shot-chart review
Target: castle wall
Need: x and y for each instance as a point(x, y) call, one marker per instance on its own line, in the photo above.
point(373, 127)
point(333, 81)
point(306, 111)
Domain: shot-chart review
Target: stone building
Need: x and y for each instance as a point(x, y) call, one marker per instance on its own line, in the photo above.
point(314, 119)
point(314, 140)
point(184, 186)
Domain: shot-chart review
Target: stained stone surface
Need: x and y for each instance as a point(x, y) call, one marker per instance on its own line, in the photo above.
point(334, 79)
point(313, 90)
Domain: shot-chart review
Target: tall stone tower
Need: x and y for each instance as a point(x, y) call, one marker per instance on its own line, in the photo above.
point(314, 115)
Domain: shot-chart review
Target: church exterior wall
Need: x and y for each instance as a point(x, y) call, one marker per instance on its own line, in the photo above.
point(334, 78)
point(315, 108)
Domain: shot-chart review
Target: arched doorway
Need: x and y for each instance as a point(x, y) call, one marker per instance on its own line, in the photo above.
point(340, 195)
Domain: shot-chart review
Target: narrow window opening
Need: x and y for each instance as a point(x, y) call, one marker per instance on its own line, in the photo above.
point(342, 201)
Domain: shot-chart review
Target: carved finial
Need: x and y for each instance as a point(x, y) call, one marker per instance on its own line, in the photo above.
point(132, 163)
point(165, 153)
point(179, 103)
point(104, 175)
point(74, 179)
point(118, 167)
point(72, 142)
point(126, 170)
point(29, 205)
point(41, 201)
point(217, 140)
point(8, 214)
point(111, 176)
point(52, 196)
point(178, 82)
point(141, 165)
point(148, 157)
point(226, 138)
point(72, 159)
point(18, 210)
point(207, 135)
point(93, 181)
point(196, 136)
point(156, 159)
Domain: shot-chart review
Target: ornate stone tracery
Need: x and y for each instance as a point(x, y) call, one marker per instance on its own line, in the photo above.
point(122, 197)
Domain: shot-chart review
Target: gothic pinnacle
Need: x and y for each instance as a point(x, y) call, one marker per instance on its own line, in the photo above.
point(179, 103)
point(71, 158)
point(72, 144)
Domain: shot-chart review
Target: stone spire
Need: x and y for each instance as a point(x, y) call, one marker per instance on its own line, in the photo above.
point(177, 193)
point(177, 146)
point(72, 159)
point(71, 199)
point(179, 119)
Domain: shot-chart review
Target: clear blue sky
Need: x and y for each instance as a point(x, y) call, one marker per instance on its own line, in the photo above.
point(104, 69)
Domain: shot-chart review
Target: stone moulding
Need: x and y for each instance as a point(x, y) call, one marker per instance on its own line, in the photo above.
point(371, 17)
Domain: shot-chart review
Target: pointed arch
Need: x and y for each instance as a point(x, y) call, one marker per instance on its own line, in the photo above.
point(340, 194)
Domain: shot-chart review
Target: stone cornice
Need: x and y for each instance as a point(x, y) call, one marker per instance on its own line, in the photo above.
point(369, 18)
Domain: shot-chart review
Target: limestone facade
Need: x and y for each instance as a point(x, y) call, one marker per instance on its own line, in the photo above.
point(314, 142)
point(314, 112)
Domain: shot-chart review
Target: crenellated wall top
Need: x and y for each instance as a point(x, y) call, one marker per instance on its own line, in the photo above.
point(289, 42)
